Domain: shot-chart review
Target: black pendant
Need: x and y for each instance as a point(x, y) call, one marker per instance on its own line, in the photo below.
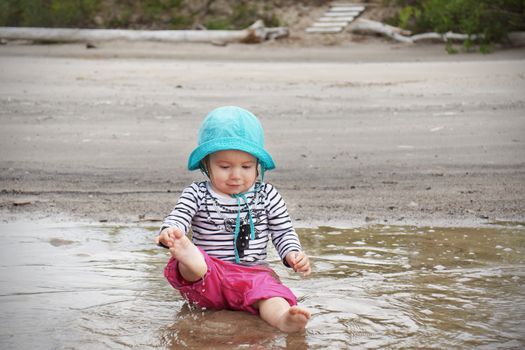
point(243, 239)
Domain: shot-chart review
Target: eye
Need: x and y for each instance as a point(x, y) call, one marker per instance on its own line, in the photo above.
point(247, 166)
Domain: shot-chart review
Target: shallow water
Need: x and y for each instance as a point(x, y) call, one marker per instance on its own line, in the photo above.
point(71, 286)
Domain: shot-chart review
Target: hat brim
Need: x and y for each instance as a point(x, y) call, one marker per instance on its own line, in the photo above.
point(230, 143)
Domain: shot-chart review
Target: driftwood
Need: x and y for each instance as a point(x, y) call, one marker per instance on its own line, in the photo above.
point(366, 25)
point(257, 32)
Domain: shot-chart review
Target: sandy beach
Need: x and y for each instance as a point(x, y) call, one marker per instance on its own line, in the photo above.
point(361, 133)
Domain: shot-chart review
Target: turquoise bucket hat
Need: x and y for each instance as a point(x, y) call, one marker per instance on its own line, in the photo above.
point(231, 128)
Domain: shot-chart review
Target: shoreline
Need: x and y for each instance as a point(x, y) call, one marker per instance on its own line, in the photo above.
point(63, 219)
point(370, 50)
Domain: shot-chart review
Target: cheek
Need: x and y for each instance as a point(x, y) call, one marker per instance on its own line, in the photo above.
point(251, 173)
point(218, 174)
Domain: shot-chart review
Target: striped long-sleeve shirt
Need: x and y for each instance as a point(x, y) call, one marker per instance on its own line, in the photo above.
point(211, 218)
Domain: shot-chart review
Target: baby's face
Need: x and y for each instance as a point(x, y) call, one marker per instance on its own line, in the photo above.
point(232, 171)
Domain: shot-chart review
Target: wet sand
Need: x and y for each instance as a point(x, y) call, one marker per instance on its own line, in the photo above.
point(361, 133)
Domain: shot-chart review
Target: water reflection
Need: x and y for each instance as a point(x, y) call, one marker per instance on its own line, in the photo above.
point(94, 287)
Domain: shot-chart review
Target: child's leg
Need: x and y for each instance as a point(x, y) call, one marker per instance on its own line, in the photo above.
point(278, 313)
point(192, 265)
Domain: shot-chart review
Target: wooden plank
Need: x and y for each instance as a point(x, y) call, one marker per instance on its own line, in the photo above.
point(323, 30)
point(341, 14)
point(336, 19)
point(330, 24)
point(338, 3)
point(349, 8)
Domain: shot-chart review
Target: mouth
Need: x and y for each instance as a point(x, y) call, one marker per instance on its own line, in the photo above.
point(234, 186)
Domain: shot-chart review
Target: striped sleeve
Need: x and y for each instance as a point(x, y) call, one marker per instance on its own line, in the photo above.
point(185, 209)
point(284, 237)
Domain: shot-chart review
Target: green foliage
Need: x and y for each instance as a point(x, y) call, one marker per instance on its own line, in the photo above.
point(153, 14)
point(47, 13)
point(451, 49)
point(492, 19)
point(409, 16)
point(219, 23)
point(180, 21)
point(4, 12)
point(244, 14)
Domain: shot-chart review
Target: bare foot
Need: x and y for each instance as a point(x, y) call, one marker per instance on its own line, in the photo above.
point(294, 320)
point(192, 265)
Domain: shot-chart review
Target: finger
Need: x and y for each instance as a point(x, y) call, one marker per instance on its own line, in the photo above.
point(292, 261)
point(170, 233)
point(303, 266)
point(165, 239)
point(299, 257)
point(304, 261)
point(307, 272)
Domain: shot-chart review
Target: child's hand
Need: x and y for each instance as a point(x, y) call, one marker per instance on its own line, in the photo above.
point(299, 262)
point(165, 237)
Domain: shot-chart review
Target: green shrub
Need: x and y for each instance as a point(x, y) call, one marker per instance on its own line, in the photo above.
point(153, 14)
point(243, 14)
point(493, 19)
point(47, 13)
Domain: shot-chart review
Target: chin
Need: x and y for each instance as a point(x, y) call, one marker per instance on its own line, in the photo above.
point(237, 190)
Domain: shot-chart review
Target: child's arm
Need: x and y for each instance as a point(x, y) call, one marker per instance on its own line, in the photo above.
point(181, 216)
point(284, 237)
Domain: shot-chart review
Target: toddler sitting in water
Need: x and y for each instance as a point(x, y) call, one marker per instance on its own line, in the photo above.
point(232, 217)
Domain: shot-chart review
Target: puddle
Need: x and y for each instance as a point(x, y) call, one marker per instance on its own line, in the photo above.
point(71, 286)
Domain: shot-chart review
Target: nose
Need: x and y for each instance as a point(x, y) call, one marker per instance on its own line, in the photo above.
point(235, 173)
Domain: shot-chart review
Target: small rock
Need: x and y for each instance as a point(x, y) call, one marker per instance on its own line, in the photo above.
point(21, 203)
point(219, 43)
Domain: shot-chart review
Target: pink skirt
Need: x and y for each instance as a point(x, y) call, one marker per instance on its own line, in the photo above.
point(229, 286)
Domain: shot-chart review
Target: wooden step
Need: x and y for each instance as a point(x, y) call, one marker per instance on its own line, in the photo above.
point(335, 19)
point(348, 8)
point(330, 24)
point(341, 14)
point(324, 29)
